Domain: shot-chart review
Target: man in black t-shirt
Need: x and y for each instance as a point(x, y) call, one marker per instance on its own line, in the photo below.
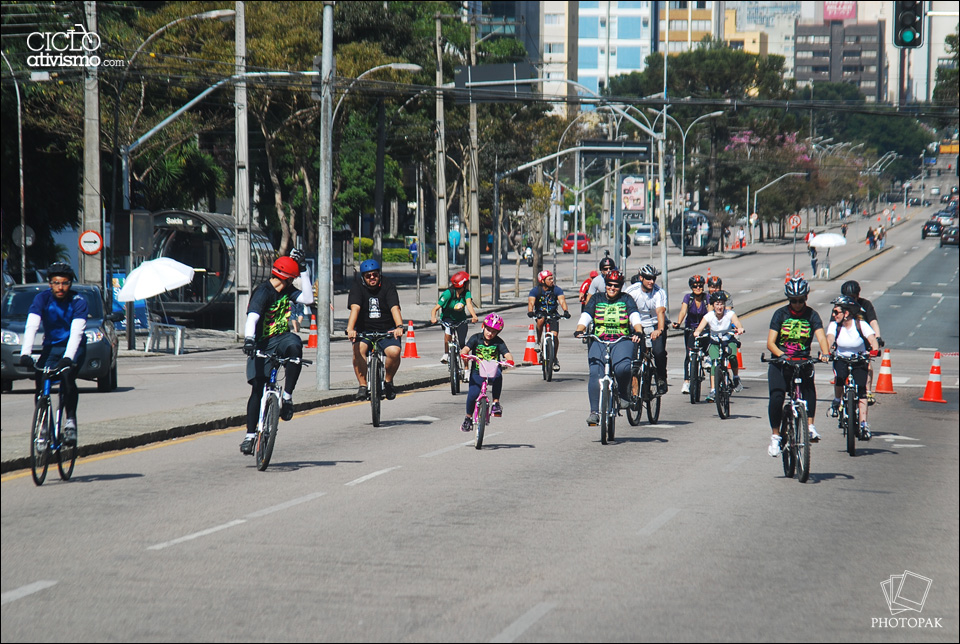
point(268, 330)
point(374, 307)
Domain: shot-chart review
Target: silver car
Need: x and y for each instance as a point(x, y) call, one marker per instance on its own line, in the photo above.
point(644, 235)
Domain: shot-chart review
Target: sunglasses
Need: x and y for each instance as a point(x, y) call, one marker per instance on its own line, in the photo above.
point(371, 274)
point(60, 283)
point(837, 312)
point(797, 300)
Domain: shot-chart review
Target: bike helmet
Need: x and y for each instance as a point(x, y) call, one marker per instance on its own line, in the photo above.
point(796, 287)
point(494, 322)
point(614, 277)
point(847, 303)
point(62, 269)
point(719, 296)
point(606, 263)
point(648, 271)
point(593, 274)
point(543, 275)
point(714, 282)
point(851, 289)
point(286, 268)
point(369, 265)
point(696, 280)
point(459, 279)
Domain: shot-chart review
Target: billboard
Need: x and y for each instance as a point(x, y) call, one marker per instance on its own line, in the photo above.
point(633, 195)
point(839, 10)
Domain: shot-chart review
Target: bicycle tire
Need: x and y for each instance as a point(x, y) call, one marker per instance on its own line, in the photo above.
point(481, 425)
point(373, 384)
point(850, 427)
point(723, 395)
point(267, 434)
point(40, 441)
point(802, 433)
point(635, 408)
point(787, 453)
point(66, 455)
point(453, 362)
point(604, 411)
point(614, 411)
point(548, 356)
point(648, 391)
point(696, 377)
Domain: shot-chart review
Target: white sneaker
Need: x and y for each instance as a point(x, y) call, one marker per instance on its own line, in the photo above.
point(443, 359)
point(685, 389)
point(774, 449)
point(814, 435)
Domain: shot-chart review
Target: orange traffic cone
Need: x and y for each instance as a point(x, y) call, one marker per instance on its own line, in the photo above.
point(312, 340)
point(410, 348)
point(885, 377)
point(530, 353)
point(739, 357)
point(934, 390)
point(708, 274)
point(787, 278)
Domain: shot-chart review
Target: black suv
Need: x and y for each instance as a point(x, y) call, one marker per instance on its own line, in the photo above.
point(931, 228)
point(102, 344)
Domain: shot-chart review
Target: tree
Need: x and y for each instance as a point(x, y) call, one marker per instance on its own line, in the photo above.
point(945, 93)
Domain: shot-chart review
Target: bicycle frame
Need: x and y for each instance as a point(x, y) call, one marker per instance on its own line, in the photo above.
point(548, 344)
point(482, 412)
point(376, 371)
point(270, 404)
point(457, 371)
point(796, 451)
point(46, 436)
point(609, 394)
point(849, 420)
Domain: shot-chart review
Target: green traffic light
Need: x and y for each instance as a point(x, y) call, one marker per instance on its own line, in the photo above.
point(908, 35)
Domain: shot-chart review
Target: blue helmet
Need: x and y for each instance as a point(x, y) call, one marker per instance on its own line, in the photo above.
point(369, 265)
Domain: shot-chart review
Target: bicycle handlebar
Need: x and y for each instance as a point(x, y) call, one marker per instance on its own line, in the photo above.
point(273, 357)
point(855, 359)
point(592, 336)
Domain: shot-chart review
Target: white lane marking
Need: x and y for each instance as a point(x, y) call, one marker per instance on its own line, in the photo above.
point(418, 419)
point(927, 349)
point(469, 443)
point(659, 522)
point(936, 295)
point(196, 535)
point(907, 293)
point(372, 475)
point(735, 463)
point(906, 445)
point(553, 413)
point(23, 591)
point(531, 617)
point(893, 439)
point(284, 506)
point(154, 368)
point(226, 365)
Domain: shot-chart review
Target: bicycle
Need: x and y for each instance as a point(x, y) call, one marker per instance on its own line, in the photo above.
point(46, 437)
point(697, 357)
point(643, 385)
point(488, 370)
point(548, 347)
point(849, 412)
point(794, 430)
point(457, 372)
point(609, 396)
point(270, 403)
point(375, 371)
point(723, 383)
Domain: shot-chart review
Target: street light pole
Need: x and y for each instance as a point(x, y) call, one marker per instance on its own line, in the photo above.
point(23, 221)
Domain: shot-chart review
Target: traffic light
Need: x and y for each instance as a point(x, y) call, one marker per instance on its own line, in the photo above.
point(908, 24)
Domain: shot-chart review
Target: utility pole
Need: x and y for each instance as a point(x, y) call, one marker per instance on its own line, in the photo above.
point(443, 270)
point(473, 220)
point(325, 233)
point(241, 190)
point(91, 266)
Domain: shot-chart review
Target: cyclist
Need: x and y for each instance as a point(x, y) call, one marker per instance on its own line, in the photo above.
point(63, 313)
point(453, 306)
point(793, 329)
point(850, 336)
point(486, 345)
point(715, 284)
point(652, 304)
point(585, 286)
point(268, 329)
point(851, 289)
point(374, 307)
point(692, 310)
point(720, 320)
point(613, 316)
point(598, 285)
point(543, 300)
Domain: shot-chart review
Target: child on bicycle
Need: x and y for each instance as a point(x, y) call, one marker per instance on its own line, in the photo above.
point(720, 321)
point(486, 345)
point(453, 306)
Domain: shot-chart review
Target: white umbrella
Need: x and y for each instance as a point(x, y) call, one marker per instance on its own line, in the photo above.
point(154, 277)
point(828, 241)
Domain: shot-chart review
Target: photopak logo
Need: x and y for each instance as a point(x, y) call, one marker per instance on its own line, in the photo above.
point(74, 48)
point(906, 592)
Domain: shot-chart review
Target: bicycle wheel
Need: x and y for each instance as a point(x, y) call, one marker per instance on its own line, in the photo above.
point(604, 411)
point(802, 441)
point(373, 384)
point(40, 441)
point(614, 410)
point(67, 454)
point(696, 377)
point(787, 452)
point(548, 356)
point(850, 427)
point(483, 410)
point(635, 408)
point(267, 436)
point(650, 395)
point(723, 394)
point(453, 362)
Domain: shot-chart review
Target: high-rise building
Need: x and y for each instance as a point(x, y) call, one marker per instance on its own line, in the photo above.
point(613, 38)
point(842, 51)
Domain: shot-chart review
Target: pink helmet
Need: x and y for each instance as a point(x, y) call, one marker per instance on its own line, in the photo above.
point(543, 275)
point(493, 321)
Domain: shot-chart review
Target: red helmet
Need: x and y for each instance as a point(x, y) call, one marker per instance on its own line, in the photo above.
point(459, 279)
point(614, 277)
point(543, 275)
point(593, 274)
point(286, 268)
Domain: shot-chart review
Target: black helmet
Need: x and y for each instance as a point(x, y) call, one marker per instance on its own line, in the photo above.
point(696, 280)
point(715, 282)
point(847, 303)
point(719, 296)
point(851, 289)
point(796, 287)
point(606, 263)
point(614, 277)
point(62, 269)
point(648, 271)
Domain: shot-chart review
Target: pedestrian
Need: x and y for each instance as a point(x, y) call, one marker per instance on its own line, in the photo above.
point(741, 237)
point(871, 238)
point(414, 252)
point(881, 236)
point(843, 230)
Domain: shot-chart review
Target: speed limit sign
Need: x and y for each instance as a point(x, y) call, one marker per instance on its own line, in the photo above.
point(794, 222)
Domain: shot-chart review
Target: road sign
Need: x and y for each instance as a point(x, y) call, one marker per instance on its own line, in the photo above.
point(91, 242)
point(794, 222)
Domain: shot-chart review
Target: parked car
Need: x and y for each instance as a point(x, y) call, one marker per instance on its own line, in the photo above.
point(950, 237)
point(583, 243)
point(931, 228)
point(644, 235)
point(102, 343)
